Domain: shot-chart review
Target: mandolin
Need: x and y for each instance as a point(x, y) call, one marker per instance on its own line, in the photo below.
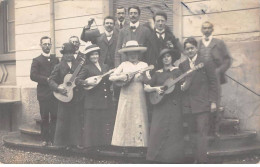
point(97, 79)
point(131, 76)
point(169, 85)
point(69, 84)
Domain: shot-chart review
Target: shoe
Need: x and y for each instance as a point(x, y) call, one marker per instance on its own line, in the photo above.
point(80, 147)
point(44, 144)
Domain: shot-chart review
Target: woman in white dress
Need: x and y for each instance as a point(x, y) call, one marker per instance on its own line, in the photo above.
point(131, 125)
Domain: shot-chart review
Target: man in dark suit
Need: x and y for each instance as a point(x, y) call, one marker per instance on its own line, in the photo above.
point(161, 37)
point(215, 49)
point(135, 31)
point(199, 98)
point(106, 41)
point(121, 21)
point(40, 71)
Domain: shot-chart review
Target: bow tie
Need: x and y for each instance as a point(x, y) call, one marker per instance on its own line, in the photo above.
point(109, 35)
point(132, 27)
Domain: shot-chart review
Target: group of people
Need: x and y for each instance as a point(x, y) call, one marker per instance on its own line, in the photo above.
point(114, 77)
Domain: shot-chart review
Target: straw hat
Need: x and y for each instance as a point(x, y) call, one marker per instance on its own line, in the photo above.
point(131, 46)
point(90, 49)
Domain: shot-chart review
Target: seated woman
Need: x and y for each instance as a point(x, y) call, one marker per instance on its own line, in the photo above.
point(131, 125)
point(99, 113)
point(68, 126)
point(166, 135)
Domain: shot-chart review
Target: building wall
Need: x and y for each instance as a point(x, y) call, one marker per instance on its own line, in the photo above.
point(33, 22)
point(237, 22)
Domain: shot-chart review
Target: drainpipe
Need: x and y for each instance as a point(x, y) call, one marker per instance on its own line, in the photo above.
point(52, 26)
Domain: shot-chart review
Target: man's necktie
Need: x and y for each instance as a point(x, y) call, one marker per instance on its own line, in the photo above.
point(121, 25)
point(206, 38)
point(160, 35)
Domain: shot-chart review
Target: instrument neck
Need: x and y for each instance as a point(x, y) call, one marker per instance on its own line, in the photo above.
point(73, 77)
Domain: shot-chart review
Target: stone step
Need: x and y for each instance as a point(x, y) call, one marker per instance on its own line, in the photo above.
point(239, 135)
point(14, 139)
point(30, 132)
point(229, 125)
point(248, 148)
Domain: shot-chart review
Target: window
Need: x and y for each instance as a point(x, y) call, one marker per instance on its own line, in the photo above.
point(7, 27)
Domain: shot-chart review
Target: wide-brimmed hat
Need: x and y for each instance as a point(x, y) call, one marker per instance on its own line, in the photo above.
point(91, 48)
point(131, 46)
point(68, 48)
point(173, 52)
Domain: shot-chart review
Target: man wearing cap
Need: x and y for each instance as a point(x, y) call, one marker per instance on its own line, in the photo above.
point(40, 71)
point(106, 41)
point(121, 22)
point(136, 32)
point(162, 37)
point(68, 128)
point(215, 49)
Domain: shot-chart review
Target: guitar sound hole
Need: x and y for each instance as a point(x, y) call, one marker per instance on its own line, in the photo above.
point(68, 83)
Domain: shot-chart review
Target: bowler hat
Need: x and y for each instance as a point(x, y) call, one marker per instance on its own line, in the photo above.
point(131, 46)
point(68, 48)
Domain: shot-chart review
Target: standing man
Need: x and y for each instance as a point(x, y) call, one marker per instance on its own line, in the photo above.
point(198, 99)
point(161, 37)
point(136, 32)
point(75, 41)
point(106, 41)
point(40, 71)
point(215, 49)
point(121, 22)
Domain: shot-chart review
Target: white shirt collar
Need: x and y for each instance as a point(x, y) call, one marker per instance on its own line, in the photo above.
point(136, 24)
point(69, 64)
point(206, 43)
point(46, 55)
point(192, 61)
point(108, 33)
point(160, 31)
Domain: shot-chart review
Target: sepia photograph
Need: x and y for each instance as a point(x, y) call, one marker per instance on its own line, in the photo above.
point(129, 82)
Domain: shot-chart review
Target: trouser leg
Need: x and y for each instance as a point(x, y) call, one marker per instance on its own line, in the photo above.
point(53, 118)
point(44, 112)
point(201, 136)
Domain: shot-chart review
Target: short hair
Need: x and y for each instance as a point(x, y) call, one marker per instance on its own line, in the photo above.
point(44, 37)
point(74, 37)
point(207, 22)
point(160, 13)
point(109, 17)
point(190, 40)
point(134, 7)
point(121, 7)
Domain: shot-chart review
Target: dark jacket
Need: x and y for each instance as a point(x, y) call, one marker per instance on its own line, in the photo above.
point(40, 70)
point(141, 35)
point(157, 45)
point(203, 87)
point(100, 96)
point(58, 74)
point(218, 51)
point(107, 48)
point(117, 26)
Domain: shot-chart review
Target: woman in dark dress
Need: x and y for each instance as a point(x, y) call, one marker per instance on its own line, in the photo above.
point(68, 126)
point(165, 143)
point(99, 113)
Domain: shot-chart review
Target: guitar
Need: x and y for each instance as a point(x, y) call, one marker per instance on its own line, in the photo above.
point(69, 84)
point(131, 76)
point(169, 85)
point(97, 79)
